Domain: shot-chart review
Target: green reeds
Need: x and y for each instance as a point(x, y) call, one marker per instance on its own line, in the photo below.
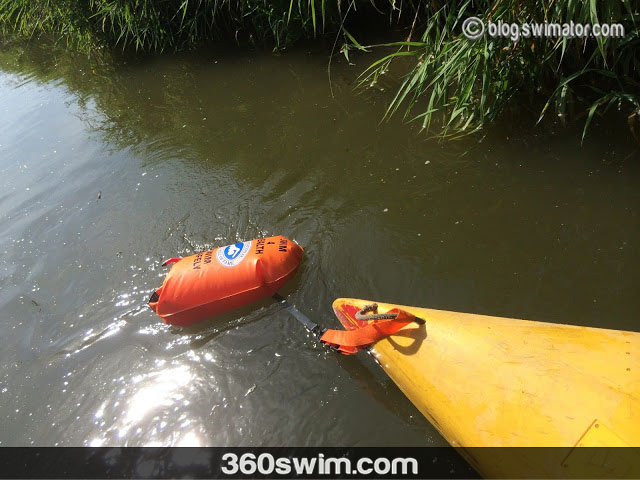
point(456, 86)
point(160, 25)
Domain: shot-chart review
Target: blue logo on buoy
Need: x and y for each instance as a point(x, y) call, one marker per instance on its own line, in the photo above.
point(232, 251)
point(232, 255)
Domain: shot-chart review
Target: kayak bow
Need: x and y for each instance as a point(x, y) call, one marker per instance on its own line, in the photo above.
point(487, 381)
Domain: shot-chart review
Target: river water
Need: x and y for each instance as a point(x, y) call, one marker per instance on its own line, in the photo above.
point(108, 168)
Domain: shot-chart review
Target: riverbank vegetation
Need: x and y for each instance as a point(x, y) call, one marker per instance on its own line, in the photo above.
point(452, 86)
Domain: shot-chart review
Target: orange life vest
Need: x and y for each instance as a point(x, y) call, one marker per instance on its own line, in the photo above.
point(219, 280)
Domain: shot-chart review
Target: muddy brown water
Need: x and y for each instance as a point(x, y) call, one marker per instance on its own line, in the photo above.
point(106, 170)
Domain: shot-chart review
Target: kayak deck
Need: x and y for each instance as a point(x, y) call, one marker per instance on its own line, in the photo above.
point(500, 382)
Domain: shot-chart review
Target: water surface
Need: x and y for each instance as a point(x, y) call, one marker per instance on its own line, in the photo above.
point(107, 169)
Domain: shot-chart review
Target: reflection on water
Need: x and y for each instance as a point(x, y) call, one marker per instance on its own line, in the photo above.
point(108, 168)
point(154, 392)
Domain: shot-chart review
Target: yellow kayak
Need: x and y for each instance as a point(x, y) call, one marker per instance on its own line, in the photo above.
point(500, 382)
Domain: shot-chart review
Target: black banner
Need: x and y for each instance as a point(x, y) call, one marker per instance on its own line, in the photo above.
point(393, 462)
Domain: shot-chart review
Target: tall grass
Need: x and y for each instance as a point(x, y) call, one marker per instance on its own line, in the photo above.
point(159, 25)
point(456, 86)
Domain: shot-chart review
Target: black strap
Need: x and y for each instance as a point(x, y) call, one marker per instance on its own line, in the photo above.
point(301, 317)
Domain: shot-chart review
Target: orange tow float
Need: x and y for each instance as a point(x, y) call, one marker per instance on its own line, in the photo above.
point(224, 278)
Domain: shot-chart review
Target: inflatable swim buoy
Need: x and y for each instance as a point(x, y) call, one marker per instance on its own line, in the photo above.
point(222, 279)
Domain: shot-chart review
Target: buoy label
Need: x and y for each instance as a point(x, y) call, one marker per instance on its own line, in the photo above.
point(232, 255)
